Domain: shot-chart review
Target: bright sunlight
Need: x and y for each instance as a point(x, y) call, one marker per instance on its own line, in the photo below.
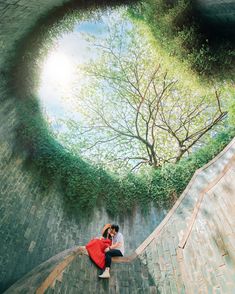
point(57, 69)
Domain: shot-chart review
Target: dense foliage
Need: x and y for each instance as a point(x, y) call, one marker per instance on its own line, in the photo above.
point(180, 30)
point(130, 110)
point(85, 186)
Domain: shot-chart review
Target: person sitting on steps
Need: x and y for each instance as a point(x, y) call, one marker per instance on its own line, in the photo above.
point(96, 247)
point(116, 249)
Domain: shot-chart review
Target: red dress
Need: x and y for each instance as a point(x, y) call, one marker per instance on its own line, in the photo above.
point(96, 252)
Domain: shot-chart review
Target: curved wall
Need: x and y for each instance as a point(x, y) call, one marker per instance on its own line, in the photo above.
point(191, 251)
point(219, 14)
point(34, 224)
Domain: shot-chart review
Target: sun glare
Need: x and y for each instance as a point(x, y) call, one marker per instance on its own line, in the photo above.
point(57, 77)
point(57, 69)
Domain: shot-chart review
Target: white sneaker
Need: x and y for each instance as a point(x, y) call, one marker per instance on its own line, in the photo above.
point(105, 275)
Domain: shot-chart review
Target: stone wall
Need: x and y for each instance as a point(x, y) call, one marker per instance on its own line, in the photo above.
point(191, 251)
point(18, 17)
point(34, 224)
point(218, 12)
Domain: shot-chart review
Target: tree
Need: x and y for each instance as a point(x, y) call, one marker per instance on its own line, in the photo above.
point(132, 105)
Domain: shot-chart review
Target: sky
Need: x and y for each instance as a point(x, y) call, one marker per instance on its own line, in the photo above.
point(60, 76)
point(58, 71)
point(61, 80)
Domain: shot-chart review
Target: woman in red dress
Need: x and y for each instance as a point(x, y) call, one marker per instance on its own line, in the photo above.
point(96, 247)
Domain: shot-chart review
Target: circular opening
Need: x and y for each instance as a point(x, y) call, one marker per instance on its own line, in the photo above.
point(146, 92)
point(109, 97)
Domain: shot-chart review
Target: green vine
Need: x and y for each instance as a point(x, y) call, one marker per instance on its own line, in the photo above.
point(85, 186)
point(183, 33)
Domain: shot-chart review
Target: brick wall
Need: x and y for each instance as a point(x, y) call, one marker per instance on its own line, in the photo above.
point(34, 224)
point(191, 251)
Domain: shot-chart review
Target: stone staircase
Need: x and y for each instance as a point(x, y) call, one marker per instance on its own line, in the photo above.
point(81, 277)
point(191, 251)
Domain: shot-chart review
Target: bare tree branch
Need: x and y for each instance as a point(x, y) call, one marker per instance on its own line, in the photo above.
point(149, 109)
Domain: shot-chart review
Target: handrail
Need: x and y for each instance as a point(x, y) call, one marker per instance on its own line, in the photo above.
point(59, 269)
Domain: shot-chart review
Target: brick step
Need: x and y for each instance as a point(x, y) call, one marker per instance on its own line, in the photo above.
point(82, 277)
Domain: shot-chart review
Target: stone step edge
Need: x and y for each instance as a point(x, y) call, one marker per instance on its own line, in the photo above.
point(57, 272)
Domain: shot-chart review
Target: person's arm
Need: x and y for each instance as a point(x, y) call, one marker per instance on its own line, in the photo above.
point(116, 245)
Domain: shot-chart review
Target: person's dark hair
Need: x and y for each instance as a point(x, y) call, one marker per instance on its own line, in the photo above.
point(106, 235)
point(115, 227)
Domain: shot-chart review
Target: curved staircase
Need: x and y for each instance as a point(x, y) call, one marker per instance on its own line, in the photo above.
point(191, 251)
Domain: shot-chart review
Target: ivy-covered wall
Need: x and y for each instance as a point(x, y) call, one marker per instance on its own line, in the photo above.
point(35, 222)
